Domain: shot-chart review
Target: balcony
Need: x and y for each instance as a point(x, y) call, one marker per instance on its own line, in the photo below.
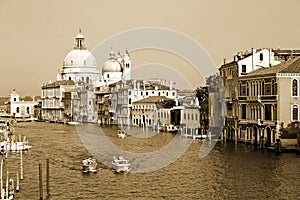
point(254, 98)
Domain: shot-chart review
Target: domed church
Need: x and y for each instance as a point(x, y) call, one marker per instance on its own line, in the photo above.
point(80, 64)
point(116, 68)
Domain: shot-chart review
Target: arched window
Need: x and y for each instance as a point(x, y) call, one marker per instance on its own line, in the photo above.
point(261, 56)
point(295, 113)
point(18, 109)
point(28, 110)
point(129, 100)
point(294, 87)
point(87, 79)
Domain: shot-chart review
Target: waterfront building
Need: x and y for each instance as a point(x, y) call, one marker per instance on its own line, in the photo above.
point(19, 108)
point(243, 63)
point(259, 94)
point(102, 106)
point(151, 111)
point(54, 106)
point(83, 103)
point(188, 106)
point(124, 93)
point(268, 100)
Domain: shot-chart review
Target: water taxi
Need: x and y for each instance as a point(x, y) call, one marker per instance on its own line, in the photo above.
point(120, 164)
point(89, 165)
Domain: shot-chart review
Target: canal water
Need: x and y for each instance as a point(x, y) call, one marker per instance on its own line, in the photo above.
point(228, 172)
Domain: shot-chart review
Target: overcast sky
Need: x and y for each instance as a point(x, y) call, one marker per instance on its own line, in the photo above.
point(36, 35)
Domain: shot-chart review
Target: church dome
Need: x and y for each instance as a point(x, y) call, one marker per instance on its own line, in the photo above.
point(79, 58)
point(112, 64)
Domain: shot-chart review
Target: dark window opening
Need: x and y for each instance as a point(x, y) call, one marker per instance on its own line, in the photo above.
point(268, 113)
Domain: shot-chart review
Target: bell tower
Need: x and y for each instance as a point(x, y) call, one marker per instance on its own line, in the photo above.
point(127, 66)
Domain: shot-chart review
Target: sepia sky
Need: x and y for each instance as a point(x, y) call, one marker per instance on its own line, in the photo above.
point(36, 35)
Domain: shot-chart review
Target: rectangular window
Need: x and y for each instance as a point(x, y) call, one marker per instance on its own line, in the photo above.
point(268, 89)
point(295, 113)
point(268, 115)
point(243, 68)
point(244, 111)
point(275, 112)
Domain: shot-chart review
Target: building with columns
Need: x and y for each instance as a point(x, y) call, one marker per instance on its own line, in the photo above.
point(260, 96)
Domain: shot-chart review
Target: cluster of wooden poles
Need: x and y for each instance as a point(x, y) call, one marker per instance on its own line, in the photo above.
point(9, 191)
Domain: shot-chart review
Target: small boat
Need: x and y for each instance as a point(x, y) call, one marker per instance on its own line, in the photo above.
point(121, 134)
point(89, 165)
point(119, 164)
point(169, 128)
point(73, 123)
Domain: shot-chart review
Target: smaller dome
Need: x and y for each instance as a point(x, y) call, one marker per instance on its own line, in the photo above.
point(112, 65)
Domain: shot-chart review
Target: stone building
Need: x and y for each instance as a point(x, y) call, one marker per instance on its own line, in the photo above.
point(152, 111)
point(268, 100)
point(124, 93)
point(259, 94)
point(19, 108)
point(53, 106)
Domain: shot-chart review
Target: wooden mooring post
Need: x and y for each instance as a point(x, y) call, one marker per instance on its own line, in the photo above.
point(41, 181)
point(48, 178)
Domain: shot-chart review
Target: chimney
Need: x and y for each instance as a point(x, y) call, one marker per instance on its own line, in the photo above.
point(225, 60)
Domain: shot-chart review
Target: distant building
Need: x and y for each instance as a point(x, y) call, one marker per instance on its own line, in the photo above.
point(75, 95)
point(151, 111)
point(19, 108)
point(189, 111)
point(124, 93)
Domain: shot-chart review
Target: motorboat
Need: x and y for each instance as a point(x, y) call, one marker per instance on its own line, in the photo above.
point(89, 165)
point(120, 164)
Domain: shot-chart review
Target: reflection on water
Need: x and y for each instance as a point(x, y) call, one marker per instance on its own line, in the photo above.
point(228, 172)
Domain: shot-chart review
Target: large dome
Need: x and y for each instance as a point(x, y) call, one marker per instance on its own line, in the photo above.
point(79, 58)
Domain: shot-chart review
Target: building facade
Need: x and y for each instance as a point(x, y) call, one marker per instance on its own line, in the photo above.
point(261, 101)
point(124, 93)
point(19, 108)
point(53, 106)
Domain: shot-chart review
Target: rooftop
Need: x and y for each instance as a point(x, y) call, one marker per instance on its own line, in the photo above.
point(290, 66)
